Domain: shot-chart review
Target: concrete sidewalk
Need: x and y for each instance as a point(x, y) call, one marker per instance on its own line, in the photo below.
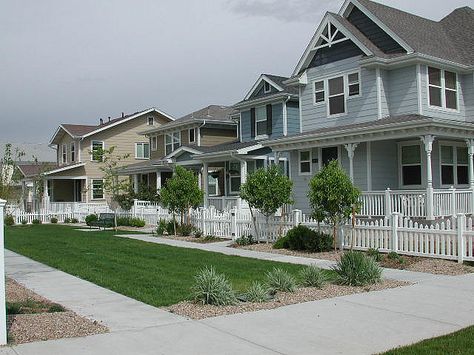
point(356, 324)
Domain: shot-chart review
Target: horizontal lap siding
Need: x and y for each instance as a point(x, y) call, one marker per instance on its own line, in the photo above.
point(402, 91)
point(245, 124)
point(359, 164)
point(384, 165)
point(300, 182)
point(210, 137)
point(383, 93)
point(293, 117)
point(277, 120)
point(468, 83)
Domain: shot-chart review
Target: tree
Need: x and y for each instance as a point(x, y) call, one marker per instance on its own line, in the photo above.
point(181, 193)
point(266, 190)
point(9, 173)
point(332, 196)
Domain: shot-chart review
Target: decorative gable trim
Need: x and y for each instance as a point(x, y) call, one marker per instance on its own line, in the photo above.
point(349, 5)
point(180, 151)
point(322, 39)
point(262, 78)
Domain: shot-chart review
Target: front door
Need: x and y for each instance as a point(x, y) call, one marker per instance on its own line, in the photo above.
point(328, 154)
point(77, 191)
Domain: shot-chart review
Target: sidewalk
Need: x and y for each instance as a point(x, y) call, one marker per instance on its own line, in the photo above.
point(357, 324)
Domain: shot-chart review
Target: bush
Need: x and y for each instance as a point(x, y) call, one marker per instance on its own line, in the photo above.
point(213, 288)
point(54, 220)
point(393, 256)
point(130, 222)
point(282, 243)
point(91, 219)
point(74, 220)
point(245, 240)
point(280, 280)
point(9, 220)
point(357, 269)
point(67, 220)
point(24, 221)
point(375, 254)
point(303, 238)
point(257, 293)
point(36, 221)
point(185, 229)
point(313, 276)
point(55, 308)
point(161, 228)
point(170, 227)
point(197, 233)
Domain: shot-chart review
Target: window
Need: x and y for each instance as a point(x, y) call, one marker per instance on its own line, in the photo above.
point(64, 153)
point(172, 142)
point(73, 152)
point(151, 121)
point(305, 162)
point(454, 165)
point(97, 150)
point(354, 84)
point(154, 143)
point(212, 186)
point(142, 150)
point(97, 189)
point(319, 91)
point(328, 154)
point(411, 165)
point(234, 177)
point(261, 121)
point(442, 87)
point(192, 135)
point(266, 87)
point(337, 102)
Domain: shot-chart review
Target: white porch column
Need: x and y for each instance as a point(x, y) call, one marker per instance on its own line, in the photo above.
point(243, 171)
point(205, 179)
point(277, 158)
point(470, 151)
point(3, 314)
point(158, 180)
point(135, 183)
point(428, 142)
point(351, 147)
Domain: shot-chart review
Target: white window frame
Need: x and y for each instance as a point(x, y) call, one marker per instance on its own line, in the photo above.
point(443, 90)
point(318, 91)
point(194, 135)
point(72, 152)
point(265, 83)
point(92, 190)
point(92, 149)
point(234, 176)
point(64, 153)
point(265, 135)
point(143, 145)
point(154, 143)
point(152, 121)
point(305, 161)
point(453, 145)
point(422, 165)
point(172, 136)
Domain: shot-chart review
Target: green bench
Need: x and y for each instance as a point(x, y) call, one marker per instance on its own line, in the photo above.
point(106, 220)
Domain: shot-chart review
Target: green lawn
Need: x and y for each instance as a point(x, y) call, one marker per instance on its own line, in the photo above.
point(156, 274)
point(461, 342)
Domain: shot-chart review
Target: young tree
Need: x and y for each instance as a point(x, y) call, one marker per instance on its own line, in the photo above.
point(9, 174)
point(181, 193)
point(266, 190)
point(332, 196)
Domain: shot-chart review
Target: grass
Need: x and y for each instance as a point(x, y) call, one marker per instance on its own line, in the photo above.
point(461, 342)
point(156, 274)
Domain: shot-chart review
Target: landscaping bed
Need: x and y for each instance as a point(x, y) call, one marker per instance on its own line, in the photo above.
point(196, 310)
point(31, 317)
point(193, 239)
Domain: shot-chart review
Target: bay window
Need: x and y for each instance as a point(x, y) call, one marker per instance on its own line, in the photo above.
point(172, 142)
point(442, 88)
point(411, 165)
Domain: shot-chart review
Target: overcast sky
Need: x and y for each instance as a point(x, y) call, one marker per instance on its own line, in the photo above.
point(78, 60)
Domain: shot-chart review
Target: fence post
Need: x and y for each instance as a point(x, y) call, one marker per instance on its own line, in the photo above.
point(203, 221)
point(461, 224)
point(135, 206)
point(296, 217)
point(453, 201)
point(388, 204)
point(3, 315)
point(394, 223)
point(233, 223)
point(341, 237)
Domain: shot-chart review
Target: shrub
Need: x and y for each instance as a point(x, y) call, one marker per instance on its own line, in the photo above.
point(170, 227)
point(161, 228)
point(303, 238)
point(357, 269)
point(185, 229)
point(74, 220)
point(375, 254)
point(280, 280)
point(393, 256)
point(91, 219)
point(24, 221)
point(245, 240)
point(257, 293)
point(282, 243)
point(137, 222)
point(197, 233)
point(55, 308)
point(213, 288)
point(67, 220)
point(313, 276)
point(36, 221)
point(54, 220)
point(9, 220)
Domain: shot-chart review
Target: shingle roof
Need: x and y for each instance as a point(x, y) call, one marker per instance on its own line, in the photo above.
point(226, 147)
point(279, 80)
point(209, 113)
point(33, 169)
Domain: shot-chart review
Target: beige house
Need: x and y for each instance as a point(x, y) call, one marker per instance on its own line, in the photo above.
point(78, 177)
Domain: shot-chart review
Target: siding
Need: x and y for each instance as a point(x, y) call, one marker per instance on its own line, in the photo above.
point(160, 151)
point(293, 117)
point(468, 84)
point(384, 165)
point(277, 123)
point(259, 91)
point(337, 52)
point(210, 137)
point(402, 91)
point(245, 120)
point(384, 93)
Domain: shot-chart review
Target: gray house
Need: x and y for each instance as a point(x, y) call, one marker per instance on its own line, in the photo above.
point(391, 96)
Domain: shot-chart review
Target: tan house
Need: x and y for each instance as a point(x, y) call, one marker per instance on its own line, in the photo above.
point(175, 143)
point(78, 177)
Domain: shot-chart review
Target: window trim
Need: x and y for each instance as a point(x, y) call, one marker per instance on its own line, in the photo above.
point(234, 176)
point(92, 149)
point(265, 135)
point(400, 166)
point(452, 145)
point(64, 154)
point(265, 83)
point(319, 103)
point(305, 161)
point(443, 90)
point(72, 152)
point(154, 146)
point(172, 141)
point(194, 135)
point(136, 150)
point(92, 190)
point(152, 120)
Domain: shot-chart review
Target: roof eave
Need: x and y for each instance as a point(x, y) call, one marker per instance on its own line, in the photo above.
point(260, 100)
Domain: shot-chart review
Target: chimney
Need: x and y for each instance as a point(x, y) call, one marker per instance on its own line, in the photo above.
point(123, 114)
point(101, 121)
point(109, 118)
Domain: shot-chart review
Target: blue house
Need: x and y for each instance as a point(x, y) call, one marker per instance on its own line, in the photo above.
point(391, 96)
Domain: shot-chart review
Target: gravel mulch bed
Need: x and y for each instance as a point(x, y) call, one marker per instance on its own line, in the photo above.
point(201, 240)
point(40, 325)
point(306, 294)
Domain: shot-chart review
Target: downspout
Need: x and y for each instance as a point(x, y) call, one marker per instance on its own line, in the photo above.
point(199, 133)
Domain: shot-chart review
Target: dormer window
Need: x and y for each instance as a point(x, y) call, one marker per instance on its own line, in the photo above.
point(442, 87)
point(266, 87)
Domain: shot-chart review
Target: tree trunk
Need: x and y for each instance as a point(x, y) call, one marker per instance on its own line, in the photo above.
point(174, 223)
point(334, 234)
point(254, 224)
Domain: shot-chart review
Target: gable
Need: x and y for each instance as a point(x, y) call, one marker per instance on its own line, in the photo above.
point(260, 90)
point(339, 51)
point(373, 32)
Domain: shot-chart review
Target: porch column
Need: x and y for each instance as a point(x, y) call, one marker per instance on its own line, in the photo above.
point(277, 158)
point(428, 142)
point(470, 151)
point(135, 183)
point(351, 147)
point(158, 180)
point(205, 179)
point(46, 197)
point(243, 171)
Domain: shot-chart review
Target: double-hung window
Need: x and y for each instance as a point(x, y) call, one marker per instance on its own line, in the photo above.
point(142, 150)
point(335, 92)
point(305, 162)
point(454, 165)
point(192, 135)
point(234, 177)
point(442, 87)
point(73, 152)
point(97, 189)
point(411, 165)
point(319, 95)
point(336, 97)
point(64, 153)
point(261, 121)
point(97, 150)
point(154, 143)
point(353, 84)
point(172, 142)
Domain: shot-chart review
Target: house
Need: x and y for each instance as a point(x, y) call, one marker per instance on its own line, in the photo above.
point(391, 96)
point(29, 176)
point(179, 141)
point(269, 110)
point(78, 177)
